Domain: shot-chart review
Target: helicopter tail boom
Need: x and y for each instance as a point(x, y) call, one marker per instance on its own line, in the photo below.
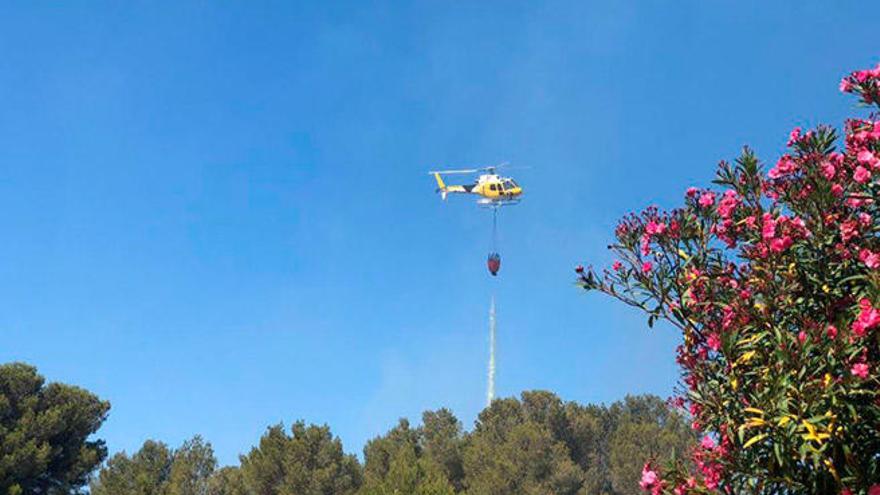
point(444, 189)
point(440, 184)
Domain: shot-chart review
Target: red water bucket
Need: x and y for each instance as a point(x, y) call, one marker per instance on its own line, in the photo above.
point(494, 263)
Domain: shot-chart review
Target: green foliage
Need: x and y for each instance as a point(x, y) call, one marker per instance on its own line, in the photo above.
point(157, 470)
point(227, 481)
point(425, 461)
point(44, 433)
point(541, 445)
point(533, 445)
point(144, 473)
point(380, 452)
point(519, 447)
point(310, 461)
point(646, 429)
point(409, 474)
point(523, 457)
point(442, 439)
point(774, 283)
point(191, 470)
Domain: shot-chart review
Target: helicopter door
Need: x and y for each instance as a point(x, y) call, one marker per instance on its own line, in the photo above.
point(508, 187)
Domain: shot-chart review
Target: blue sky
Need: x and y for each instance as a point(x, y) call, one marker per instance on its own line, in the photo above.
point(217, 217)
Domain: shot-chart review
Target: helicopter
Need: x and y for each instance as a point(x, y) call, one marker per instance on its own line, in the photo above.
point(493, 190)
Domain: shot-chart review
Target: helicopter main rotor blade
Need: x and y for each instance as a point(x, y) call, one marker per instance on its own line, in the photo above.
point(504, 166)
point(443, 172)
point(490, 168)
point(508, 166)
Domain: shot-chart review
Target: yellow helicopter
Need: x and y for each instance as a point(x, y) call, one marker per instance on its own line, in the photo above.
point(494, 190)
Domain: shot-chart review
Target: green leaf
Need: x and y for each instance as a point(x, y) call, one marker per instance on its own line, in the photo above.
point(755, 439)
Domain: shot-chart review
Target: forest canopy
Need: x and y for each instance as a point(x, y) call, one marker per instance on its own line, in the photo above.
point(536, 444)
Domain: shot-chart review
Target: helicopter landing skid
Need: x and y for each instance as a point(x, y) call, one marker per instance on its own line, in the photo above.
point(496, 203)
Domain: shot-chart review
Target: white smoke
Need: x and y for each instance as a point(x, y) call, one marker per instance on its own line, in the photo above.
point(490, 393)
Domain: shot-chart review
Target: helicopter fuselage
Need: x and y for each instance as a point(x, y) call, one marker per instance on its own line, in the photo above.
point(494, 187)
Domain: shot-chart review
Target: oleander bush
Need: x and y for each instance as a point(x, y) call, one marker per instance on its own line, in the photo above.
point(773, 281)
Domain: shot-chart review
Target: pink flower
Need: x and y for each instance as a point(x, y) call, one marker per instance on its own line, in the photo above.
point(867, 157)
point(802, 337)
point(869, 258)
point(707, 443)
point(689, 485)
point(617, 265)
point(831, 331)
point(649, 478)
point(707, 199)
point(828, 170)
point(713, 341)
point(848, 230)
point(655, 228)
point(861, 175)
point(837, 190)
point(780, 244)
point(645, 245)
point(856, 202)
point(783, 167)
point(692, 191)
point(868, 318)
point(874, 490)
point(768, 230)
point(845, 491)
point(712, 472)
point(729, 202)
point(800, 226)
point(860, 370)
point(794, 136)
point(647, 267)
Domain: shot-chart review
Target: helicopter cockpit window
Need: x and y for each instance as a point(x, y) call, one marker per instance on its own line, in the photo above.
point(508, 185)
point(493, 187)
